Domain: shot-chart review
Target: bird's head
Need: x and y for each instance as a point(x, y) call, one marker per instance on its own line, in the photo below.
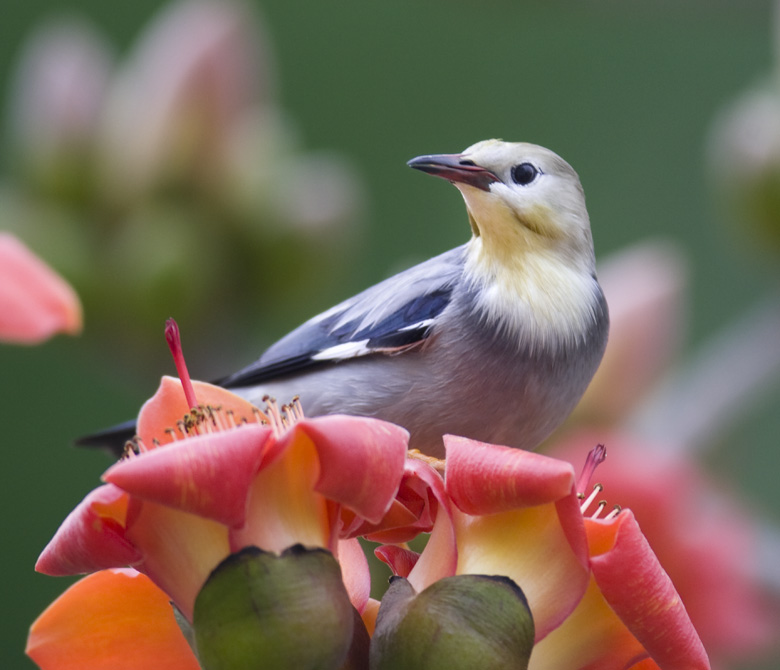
point(531, 255)
point(521, 198)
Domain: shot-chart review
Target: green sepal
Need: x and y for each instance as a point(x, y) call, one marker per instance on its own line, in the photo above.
point(463, 622)
point(261, 610)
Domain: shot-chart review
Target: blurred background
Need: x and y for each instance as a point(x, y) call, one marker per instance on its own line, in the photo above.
point(242, 166)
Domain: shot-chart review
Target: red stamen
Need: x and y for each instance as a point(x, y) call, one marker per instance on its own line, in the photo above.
point(173, 338)
point(595, 458)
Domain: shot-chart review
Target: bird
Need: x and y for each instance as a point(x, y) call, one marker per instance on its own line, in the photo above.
point(495, 340)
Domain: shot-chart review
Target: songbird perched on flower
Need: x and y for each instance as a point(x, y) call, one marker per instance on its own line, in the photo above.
point(495, 340)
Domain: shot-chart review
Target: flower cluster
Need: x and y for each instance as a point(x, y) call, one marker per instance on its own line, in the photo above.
point(218, 503)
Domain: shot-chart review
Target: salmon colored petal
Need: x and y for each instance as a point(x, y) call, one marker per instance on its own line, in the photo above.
point(35, 302)
point(168, 406)
point(440, 557)
point(180, 549)
point(361, 461)
point(641, 593)
point(485, 478)
point(414, 509)
point(284, 509)
point(208, 475)
point(355, 572)
point(530, 546)
point(591, 638)
point(400, 560)
point(92, 537)
point(111, 620)
point(397, 525)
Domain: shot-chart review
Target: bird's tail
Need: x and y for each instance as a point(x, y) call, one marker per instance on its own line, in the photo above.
point(111, 439)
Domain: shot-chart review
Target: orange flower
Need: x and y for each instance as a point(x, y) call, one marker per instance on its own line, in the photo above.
point(112, 619)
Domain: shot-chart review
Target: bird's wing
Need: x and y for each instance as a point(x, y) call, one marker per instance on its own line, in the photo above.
point(391, 316)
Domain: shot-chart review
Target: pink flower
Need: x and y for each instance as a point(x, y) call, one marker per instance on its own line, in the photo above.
point(35, 302)
point(705, 541)
point(206, 485)
point(598, 595)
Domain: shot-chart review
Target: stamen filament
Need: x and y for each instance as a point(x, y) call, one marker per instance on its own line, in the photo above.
point(598, 488)
point(602, 504)
point(615, 511)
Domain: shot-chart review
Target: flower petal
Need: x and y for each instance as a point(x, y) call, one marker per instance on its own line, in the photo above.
point(530, 547)
point(440, 557)
point(208, 475)
point(517, 515)
point(592, 638)
point(180, 550)
point(414, 509)
point(284, 509)
point(35, 302)
point(484, 478)
point(641, 593)
point(112, 619)
point(361, 461)
point(92, 537)
point(400, 560)
point(168, 406)
point(354, 572)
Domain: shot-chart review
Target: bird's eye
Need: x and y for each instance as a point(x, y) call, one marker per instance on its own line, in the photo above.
point(524, 173)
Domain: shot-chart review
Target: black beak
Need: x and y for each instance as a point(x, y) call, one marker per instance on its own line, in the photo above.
point(455, 168)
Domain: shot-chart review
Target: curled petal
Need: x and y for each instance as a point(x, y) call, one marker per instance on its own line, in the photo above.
point(112, 619)
point(641, 593)
point(361, 461)
point(35, 302)
point(429, 501)
point(400, 560)
point(354, 572)
point(485, 479)
point(440, 557)
point(92, 537)
point(208, 475)
point(414, 509)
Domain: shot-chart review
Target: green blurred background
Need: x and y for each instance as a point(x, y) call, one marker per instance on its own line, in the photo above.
point(625, 91)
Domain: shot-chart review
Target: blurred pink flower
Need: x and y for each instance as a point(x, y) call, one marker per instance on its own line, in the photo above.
point(645, 286)
point(56, 101)
point(35, 302)
point(192, 78)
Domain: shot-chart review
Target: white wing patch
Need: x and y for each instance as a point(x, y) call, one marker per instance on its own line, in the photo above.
point(343, 351)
